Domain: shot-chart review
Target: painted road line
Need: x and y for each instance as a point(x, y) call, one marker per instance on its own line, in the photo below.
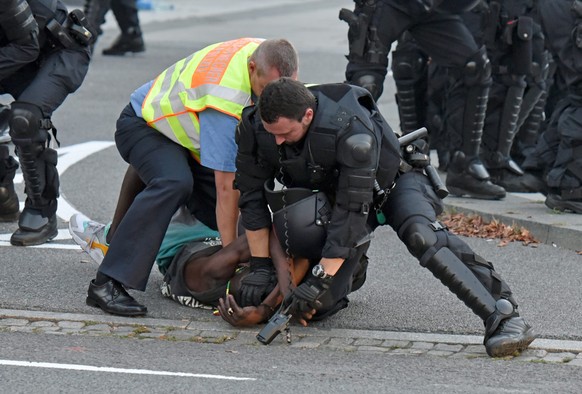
point(90, 368)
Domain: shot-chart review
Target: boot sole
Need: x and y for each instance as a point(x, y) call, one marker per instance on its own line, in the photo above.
point(91, 302)
point(509, 348)
point(563, 205)
point(458, 192)
point(16, 242)
point(123, 53)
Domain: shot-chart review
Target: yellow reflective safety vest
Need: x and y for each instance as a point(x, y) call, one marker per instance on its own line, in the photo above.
point(215, 77)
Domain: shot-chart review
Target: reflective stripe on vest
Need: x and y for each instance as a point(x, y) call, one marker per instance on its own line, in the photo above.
point(215, 77)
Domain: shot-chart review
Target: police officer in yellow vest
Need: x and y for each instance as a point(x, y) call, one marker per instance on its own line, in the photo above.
point(177, 134)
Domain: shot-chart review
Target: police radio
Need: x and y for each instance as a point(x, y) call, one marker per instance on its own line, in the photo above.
point(278, 323)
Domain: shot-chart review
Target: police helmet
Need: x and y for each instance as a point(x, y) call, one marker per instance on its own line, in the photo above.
point(300, 216)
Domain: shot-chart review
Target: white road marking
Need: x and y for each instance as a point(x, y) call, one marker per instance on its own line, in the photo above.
point(90, 368)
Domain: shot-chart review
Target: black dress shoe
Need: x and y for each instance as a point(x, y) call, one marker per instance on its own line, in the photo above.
point(113, 298)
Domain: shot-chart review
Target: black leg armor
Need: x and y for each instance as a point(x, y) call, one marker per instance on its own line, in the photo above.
point(496, 152)
point(533, 107)
point(409, 68)
point(467, 275)
point(95, 11)
point(29, 132)
point(499, 138)
point(466, 173)
point(411, 210)
point(9, 207)
point(368, 56)
point(5, 115)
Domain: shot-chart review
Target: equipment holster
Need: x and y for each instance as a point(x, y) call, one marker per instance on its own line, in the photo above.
point(76, 29)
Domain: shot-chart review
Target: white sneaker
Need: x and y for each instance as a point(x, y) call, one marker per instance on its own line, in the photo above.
point(89, 235)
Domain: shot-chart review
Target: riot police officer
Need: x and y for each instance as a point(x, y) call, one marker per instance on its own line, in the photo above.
point(44, 56)
point(376, 24)
point(514, 44)
point(331, 138)
point(559, 148)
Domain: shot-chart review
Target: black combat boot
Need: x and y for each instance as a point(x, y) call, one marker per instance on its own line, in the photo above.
point(568, 200)
point(470, 178)
point(516, 183)
point(4, 125)
point(41, 229)
point(127, 42)
point(512, 335)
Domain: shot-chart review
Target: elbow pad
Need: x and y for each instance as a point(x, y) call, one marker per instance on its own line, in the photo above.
point(359, 156)
point(17, 21)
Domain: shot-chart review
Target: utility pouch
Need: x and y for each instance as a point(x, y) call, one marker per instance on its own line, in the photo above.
point(522, 51)
point(80, 28)
point(59, 34)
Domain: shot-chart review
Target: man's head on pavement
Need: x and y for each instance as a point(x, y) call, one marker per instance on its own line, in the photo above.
point(286, 108)
point(273, 58)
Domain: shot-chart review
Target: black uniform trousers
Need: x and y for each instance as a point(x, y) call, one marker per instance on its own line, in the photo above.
point(560, 146)
point(47, 83)
point(171, 176)
point(444, 37)
point(413, 200)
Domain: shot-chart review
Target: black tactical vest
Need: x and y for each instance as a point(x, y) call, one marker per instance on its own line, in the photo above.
point(312, 162)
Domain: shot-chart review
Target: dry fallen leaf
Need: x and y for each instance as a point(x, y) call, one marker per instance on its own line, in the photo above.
point(475, 226)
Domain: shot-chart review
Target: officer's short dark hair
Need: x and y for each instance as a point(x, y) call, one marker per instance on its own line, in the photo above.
point(285, 97)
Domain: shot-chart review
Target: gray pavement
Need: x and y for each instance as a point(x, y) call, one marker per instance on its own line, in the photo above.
point(527, 210)
point(561, 230)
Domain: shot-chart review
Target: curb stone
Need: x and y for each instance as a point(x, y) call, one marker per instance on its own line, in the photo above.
point(386, 342)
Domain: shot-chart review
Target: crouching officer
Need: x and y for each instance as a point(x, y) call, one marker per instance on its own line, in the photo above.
point(44, 56)
point(331, 138)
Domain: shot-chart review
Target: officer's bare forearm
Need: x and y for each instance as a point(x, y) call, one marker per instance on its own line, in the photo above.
point(258, 242)
point(226, 206)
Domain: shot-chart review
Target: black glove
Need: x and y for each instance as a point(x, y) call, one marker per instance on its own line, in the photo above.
point(305, 297)
point(259, 282)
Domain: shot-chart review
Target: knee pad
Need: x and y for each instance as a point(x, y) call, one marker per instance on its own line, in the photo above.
point(477, 69)
point(369, 80)
point(420, 238)
point(25, 124)
point(409, 65)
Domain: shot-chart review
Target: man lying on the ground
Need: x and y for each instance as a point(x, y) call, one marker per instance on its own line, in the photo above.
point(200, 273)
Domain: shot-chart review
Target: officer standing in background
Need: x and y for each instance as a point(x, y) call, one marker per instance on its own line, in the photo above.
point(511, 35)
point(331, 138)
point(130, 40)
point(559, 148)
point(44, 56)
point(376, 24)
